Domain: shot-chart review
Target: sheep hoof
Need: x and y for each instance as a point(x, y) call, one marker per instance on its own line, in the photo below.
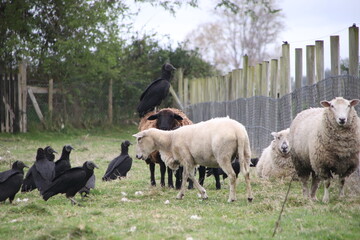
point(250, 199)
point(231, 200)
point(180, 196)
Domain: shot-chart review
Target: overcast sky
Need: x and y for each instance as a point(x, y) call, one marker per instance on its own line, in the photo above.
point(305, 21)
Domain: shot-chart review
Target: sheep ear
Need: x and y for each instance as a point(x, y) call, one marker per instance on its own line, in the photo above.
point(178, 117)
point(325, 103)
point(139, 135)
point(153, 117)
point(274, 134)
point(354, 102)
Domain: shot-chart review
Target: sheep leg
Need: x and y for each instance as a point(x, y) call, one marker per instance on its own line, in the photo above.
point(217, 178)
point(185, 175)
point(244, 169)
point(227, 168)
point(326, 190)
point(197, 184)
point(202, 171)
point(170, 178)
point(341, 186)
point(314, 186)
point(162, 173)
point(178, 176)
point(305, 188)
point(152, 174)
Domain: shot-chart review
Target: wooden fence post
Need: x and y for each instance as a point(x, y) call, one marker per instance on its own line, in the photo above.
point(310, 64)
point(281, 77)
point(23, 92)
point(274, 66)
point(36, 106)
point(265, 79)
point(298, 68)
point(186, 92)
point(179, 77)
point(286, 68)
point(354, 50)
point(335, 55)
point(251, 79)
point(245, 85)
point(319, 58)
point(50, 98)
point(257, 79)
point(110, 102)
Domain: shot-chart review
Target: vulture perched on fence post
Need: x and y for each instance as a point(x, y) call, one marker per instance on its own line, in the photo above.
point(156, 92)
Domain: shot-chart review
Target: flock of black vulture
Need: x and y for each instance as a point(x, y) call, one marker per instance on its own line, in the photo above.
point(52, 178)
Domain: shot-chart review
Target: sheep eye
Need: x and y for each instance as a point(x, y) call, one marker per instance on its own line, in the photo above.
point(332, 106)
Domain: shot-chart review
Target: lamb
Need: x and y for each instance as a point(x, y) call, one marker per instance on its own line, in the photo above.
point(165, 119)
point(212, 143)
point(275, 160)
point(326, 141)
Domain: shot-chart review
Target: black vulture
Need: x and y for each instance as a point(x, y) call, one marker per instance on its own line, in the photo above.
point(90, 184)
point(156, 92)
point(120, 165)
point(49, 153)
point(70, 181)
point(43, 171)
point(47, 166)
point(28, 183)
point(63, 163)
point(11, 180)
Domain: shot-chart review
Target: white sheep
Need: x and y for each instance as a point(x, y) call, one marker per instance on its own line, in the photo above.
point(275, 160)
point(213, 143)
point(326, 141)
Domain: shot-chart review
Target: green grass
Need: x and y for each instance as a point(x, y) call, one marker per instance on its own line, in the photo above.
point(106, 214)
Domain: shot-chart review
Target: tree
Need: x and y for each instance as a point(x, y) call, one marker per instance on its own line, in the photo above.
point(81, 45)
point(246, 29)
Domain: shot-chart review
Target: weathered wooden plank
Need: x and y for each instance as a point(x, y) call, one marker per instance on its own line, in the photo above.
point(319, 58)
point(265, 79)
point(298, 68)
point(175, 96)
point(286, 68)
point(335, 55)
point(310, 64)
point(42, 90)
point(23, 93)
point(354, 50)
point(246, 84)
point(36, 105)
point(274, 66)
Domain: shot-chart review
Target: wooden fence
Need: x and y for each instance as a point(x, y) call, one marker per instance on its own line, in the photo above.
point(14, 93)
point(271, 78)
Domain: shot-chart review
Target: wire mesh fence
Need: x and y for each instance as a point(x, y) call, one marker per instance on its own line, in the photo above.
point(263, 115)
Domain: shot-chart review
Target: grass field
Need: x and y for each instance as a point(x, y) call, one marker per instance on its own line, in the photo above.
point(131, 209)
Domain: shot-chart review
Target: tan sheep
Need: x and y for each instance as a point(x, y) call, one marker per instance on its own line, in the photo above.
point(165, 119)
point(275, 160)
point(325, 141)
point(212, 143)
